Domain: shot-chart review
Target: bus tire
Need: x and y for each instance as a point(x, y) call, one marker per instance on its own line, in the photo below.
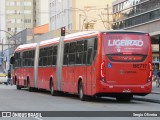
point(81, 92)
point(30, 89)
point(17, 85)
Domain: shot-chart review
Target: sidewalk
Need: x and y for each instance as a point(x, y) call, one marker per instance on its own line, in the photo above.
point(155, 90)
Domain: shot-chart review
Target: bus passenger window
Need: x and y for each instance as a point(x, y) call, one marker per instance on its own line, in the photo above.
point(72, 51)
point(90, 55)
point(65, 57)
point(72, 58)
point(79, 52)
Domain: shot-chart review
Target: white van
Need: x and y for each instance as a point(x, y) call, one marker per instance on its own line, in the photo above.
point(3, 77)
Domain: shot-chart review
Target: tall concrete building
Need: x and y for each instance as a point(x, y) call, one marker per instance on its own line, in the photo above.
point(139, 15)
point(19, 15)
point(23, 14)
point(2, 27)
point(42, 12)
point(2, 20)
point(80, 14)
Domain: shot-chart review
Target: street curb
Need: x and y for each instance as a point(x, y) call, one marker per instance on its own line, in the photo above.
point(146, 100)
point(155, 92)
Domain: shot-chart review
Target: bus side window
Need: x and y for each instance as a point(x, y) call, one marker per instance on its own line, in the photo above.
point(90, 55)
point(65, 57)
point(79, 52)
point(90, 51)
point(72, 51)
point(85, 52)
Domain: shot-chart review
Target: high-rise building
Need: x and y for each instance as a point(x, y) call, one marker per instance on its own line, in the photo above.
point(23, 14)
point(42, 12)
point(80, 14)
point(2, 20)
point(19, 15)
point(2, 26)
point(139, 15)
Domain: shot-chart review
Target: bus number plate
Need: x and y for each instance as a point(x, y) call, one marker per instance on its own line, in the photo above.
point(141, 66)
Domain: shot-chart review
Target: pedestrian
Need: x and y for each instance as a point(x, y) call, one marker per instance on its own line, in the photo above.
point(9, 78)
point(158, 80)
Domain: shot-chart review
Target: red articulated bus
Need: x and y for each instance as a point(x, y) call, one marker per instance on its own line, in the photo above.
point(95, 63)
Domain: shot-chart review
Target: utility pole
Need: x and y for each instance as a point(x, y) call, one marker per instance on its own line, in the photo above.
point(2, 56)
point(159, 48)
point(80, 22)
point(108, 17)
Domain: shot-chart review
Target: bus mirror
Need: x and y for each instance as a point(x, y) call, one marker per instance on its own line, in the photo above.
point(12, 60)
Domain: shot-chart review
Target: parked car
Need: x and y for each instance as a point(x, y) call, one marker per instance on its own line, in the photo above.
point(3, 77)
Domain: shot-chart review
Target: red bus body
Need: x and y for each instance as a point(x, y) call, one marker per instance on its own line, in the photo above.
point(116, 63)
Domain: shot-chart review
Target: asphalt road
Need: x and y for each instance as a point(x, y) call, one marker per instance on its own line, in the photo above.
point(22, 100)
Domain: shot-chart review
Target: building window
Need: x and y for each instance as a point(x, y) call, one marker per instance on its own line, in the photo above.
point(10, 11)
point(134, 15)
point(9, 29)
point(27, 21)
point(10, 3)
point(27, 12)
point(18, 3)
point(27, 4)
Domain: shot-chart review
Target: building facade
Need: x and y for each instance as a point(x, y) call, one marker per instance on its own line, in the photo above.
point(19, 15)
point(42, 12)
point(78, 15)
point(2, 20)
point(2, 27)
point(139, 15)
point(23, 14)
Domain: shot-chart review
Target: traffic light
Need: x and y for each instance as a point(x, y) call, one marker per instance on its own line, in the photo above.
point(63, 30)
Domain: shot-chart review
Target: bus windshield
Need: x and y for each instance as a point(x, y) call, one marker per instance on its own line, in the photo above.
point(126, 47)
point(129, 43)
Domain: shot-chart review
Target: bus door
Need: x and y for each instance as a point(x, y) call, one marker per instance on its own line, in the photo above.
point(90, 55)
point(127, 58)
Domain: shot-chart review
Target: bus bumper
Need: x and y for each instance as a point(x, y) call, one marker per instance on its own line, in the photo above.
point(130, 89)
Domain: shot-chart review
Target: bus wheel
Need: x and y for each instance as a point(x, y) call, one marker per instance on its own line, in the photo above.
point(124, 98)
point(52, 90)
point(18, 86)
point(81, 92)
point(30, 89)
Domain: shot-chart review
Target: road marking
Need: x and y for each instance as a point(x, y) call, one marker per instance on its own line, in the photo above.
point(37, 118)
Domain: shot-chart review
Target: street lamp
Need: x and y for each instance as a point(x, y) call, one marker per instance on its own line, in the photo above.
point(10, 35)
point(7, 44)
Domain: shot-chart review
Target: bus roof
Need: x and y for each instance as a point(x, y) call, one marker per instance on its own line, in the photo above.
point(125, 31)
point(56, 40)
point(85, 34)
point(26, 46)
point(72, 36)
